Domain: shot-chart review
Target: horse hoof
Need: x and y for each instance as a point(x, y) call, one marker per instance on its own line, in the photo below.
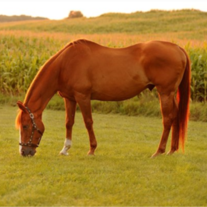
point(157, 154)
point(170, 152)
point(64, 153)
point(90, 153)
point(154, 155)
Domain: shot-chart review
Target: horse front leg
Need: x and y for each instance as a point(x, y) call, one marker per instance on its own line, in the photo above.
point(70, 107)
point(85, 106)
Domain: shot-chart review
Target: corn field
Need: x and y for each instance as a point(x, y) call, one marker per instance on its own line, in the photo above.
point(21, 57)
point(198, 57)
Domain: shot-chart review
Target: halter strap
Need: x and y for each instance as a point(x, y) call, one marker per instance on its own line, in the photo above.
point(33, 121)
point(34, 127)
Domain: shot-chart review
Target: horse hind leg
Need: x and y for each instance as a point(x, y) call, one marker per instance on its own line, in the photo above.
point(175, 130)
point(70, 107)
point(168, 113)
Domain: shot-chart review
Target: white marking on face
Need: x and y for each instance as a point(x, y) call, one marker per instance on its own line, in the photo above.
point(66, 147)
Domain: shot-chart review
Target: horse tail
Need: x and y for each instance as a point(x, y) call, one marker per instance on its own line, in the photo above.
point(183, 98)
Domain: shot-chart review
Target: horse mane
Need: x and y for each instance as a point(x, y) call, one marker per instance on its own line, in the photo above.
point(47, 64)
point(52, 58)
point(18, 119)
point(79, 41)
point(74, 43)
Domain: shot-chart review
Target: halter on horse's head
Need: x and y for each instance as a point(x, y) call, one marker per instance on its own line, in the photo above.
point(30, 131)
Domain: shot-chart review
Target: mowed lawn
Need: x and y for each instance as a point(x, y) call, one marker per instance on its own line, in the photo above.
point(120, 174)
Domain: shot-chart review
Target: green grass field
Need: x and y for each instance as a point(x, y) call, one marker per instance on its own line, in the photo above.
point(120, 174)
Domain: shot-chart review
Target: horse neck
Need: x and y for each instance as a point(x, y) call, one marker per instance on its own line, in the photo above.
point(42, 89)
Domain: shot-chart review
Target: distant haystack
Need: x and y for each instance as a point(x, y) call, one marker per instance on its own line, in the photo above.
point(75, 14)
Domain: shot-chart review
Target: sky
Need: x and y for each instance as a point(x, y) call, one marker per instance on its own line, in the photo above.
point(59, 9)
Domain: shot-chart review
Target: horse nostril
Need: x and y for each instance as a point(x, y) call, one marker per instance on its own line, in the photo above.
point(27, 152)
point(31, 153)
point(23, 153)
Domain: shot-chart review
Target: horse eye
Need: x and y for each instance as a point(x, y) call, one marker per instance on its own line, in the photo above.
point(25, 126)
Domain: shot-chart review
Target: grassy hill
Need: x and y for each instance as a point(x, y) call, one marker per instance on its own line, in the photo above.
point(192, 22)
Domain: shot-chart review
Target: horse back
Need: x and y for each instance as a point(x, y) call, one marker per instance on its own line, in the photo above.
point(108, 73)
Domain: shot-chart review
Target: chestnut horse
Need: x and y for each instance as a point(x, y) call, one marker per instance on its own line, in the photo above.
point(83, 71)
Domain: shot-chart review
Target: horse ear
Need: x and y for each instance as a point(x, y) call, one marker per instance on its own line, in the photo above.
point(21, 106)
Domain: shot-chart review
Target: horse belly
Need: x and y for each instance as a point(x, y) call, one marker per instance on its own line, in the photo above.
point(118, 88)
point(105, 95)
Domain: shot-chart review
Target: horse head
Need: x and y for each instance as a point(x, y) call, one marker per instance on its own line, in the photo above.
point(31, 130)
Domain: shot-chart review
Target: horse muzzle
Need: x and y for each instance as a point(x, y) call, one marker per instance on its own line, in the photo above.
point(27, 151)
